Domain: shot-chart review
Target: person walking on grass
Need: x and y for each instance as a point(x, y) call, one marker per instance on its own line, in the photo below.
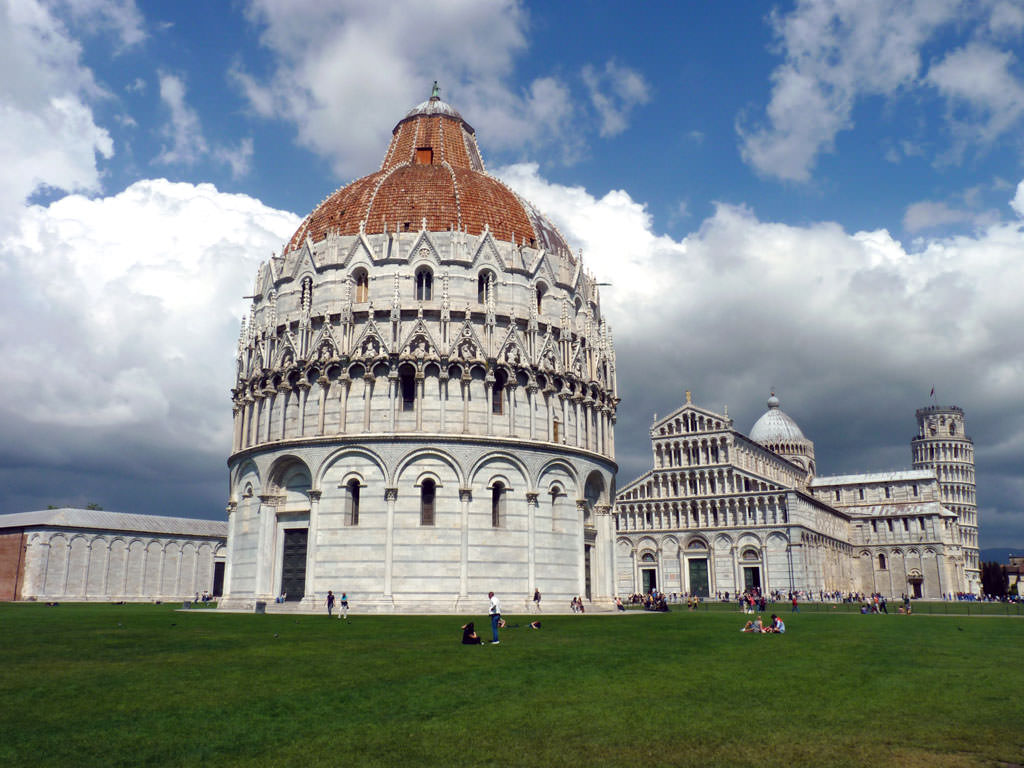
point(330, 602)
point(343, 614)
point(796, 607)
point(494, 611)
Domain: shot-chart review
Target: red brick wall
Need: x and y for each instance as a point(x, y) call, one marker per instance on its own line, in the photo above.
point(11, 565)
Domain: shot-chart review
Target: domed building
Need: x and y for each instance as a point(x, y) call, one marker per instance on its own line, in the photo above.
point(723, 513)
point(425, 399)
point(777, 432)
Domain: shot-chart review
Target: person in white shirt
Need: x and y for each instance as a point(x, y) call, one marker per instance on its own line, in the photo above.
point(495, 613)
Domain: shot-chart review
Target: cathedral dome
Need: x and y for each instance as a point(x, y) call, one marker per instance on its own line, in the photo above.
point(775, 426)
point(432, 177)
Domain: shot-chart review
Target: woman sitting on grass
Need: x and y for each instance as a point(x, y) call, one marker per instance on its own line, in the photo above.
point(777, 625)
point(469, 635)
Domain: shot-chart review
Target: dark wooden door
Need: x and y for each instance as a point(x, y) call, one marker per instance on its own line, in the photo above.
point(293, 565)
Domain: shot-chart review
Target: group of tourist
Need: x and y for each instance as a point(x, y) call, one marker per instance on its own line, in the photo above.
point(576, 604)
point(775, 626)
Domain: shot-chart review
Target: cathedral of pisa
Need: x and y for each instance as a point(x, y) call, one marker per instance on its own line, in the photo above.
point(424, 412)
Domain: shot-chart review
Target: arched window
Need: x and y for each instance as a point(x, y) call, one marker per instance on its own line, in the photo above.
point(362, 286)
point(352, 513)
point(485, 282)
point(647, 557)
point(498, 394)
point(424, 284)
point(881, 562)
point(428, 491)
point(541, 290)
point(952, 429)
point(498, 505)
point(407, 383)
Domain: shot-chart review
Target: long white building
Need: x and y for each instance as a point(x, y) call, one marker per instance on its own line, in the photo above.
point(723, 512)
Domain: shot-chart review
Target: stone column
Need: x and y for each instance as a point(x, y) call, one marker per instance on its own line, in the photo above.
point(325, 388)
point(395, 394)
point(581, 512)
point(488, 396)
point(420, 384)
point(368, 387)
point(304, 387)
point(531, 539)
point(510, 392)
point(391, 496)
point(346, 386)
point(531, 404)
point(311, 540)
point(231, 510)
point(465, 497)
point(465, 400)
point(265, 565)
point(442, 395)
point(604, 552)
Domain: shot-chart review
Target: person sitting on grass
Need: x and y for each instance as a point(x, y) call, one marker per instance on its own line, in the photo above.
point(753, 626)
point(534, 625)
point(469, 635)
point(777, 625)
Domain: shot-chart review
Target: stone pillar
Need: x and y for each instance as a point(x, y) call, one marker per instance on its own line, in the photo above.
point(231, 509)
point(531, 539)
point(265, 565)
point(368, 387)
point(325, 388)
point(346, 387)
point(420, 384)
point(605, 552)
point(304, 387)
point(395, 394)
point(311, 539)
point(465, 400)
point(442, 393)
point(465, 497)
point(488, 396)
point(510, 392)
point(581, 511)
point(391, 496)
point(531, 404)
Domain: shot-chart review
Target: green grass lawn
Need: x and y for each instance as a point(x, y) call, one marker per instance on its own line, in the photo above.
point(142, 685)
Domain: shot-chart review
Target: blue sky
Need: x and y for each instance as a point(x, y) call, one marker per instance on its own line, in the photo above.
point(821, 197)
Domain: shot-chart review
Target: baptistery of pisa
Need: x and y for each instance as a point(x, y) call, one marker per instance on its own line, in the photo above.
point(425, 401)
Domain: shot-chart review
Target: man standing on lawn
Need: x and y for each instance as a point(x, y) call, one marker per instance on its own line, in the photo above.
point(495, 613)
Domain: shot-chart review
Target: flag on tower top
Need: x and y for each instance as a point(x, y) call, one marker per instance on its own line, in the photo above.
point(932, 393)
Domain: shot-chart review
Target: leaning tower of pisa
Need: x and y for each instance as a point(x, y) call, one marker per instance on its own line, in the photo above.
point(942, 444)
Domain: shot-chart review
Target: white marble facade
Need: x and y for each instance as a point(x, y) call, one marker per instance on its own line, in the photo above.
point(721, 512)
point(426, 413)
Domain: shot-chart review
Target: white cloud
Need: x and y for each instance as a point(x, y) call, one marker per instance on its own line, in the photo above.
point(237, 158)
point(980, 76)
point(614, 93)
point(48, 135)
point(334, 62)
point(853, 328)
point(835, 53)
point(183, 131)
point(120, 16)
point(124, 315)
point(928, 214)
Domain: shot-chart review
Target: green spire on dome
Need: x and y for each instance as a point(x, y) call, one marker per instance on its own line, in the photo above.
point(436, 92)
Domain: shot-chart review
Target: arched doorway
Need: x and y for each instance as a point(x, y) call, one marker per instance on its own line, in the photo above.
point(915, 583)
point(648, 573)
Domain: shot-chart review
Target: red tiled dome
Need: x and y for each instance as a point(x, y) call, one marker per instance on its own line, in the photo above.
point(432, 170)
